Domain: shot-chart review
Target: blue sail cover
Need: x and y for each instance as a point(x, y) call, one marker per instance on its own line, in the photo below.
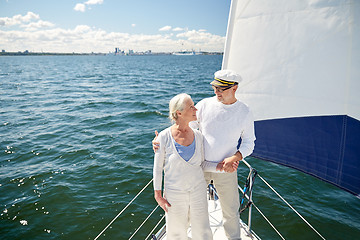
point(300, 61)
point(326, 147)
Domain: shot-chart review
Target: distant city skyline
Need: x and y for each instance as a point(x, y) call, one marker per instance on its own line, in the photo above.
point(68, 26)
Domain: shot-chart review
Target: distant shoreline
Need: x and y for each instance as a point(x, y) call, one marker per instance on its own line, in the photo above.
point(90, 54)
point(46, 54)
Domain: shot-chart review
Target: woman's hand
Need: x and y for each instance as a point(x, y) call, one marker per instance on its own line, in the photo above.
point(163, 203)
point(220, 166)
point(155, 144)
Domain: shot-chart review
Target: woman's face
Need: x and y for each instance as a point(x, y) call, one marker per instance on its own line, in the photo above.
point(189, 111)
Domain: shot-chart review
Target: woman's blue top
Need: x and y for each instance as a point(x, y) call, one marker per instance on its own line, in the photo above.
point(186, 152)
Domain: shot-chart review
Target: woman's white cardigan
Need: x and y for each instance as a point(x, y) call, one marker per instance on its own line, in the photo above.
point(179, 175)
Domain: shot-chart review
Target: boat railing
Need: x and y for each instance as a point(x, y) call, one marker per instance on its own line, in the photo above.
point(246, 202)
point(249, 187)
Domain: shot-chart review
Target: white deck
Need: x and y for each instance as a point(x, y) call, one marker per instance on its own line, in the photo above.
point(217, 228)
point(215, 216)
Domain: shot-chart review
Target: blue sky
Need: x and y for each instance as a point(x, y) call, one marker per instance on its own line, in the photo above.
point(102, 25)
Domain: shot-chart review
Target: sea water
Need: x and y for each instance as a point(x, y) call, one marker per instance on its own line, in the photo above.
point(75, 147)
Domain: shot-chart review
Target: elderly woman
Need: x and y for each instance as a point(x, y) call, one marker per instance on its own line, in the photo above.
point(181, 156)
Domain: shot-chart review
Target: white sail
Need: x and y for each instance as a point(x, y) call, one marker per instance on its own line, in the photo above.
point(300, 59)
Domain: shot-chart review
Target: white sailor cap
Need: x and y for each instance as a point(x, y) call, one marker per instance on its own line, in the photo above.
point(226, 78)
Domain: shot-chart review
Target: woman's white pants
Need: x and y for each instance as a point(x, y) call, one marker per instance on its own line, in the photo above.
point(188, 207)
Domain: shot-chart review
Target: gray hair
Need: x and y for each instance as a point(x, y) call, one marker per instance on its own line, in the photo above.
point(177, 104)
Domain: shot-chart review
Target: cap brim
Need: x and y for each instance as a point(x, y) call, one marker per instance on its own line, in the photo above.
point(218, 84)
point(222, 84)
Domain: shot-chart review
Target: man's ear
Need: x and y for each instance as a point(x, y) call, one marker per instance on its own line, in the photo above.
point(235, 87)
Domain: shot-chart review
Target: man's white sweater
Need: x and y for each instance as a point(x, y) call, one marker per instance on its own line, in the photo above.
point(223, 127)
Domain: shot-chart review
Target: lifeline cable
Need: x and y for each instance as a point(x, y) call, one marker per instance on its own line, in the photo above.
point(155, 227)
point(143, 222)
point(123, 210)
point(291, 207)
point(268, 221)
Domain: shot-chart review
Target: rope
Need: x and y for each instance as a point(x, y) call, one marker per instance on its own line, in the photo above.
point(211, 186)
point(143, 222)
point(291, 207)
point(123, 210)
point(155, 227)
point(268, 221)
point(247, 188)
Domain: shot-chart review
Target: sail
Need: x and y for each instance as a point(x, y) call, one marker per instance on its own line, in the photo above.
point(300, 63)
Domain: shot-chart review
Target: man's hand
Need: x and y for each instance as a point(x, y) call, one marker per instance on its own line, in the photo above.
point(228, 164)
point(156, 145)
point(231, 164)
point(220, 167)
point(163, 203)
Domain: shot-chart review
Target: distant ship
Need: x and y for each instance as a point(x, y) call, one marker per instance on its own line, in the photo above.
point(184, 53)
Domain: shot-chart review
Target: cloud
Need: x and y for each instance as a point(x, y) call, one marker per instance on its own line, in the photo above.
point(178, 29)
point(29, 32)
point(166, 28)
point(133, 25)
point(30, 22)
point(18, 19)
point(81, 7)
point(202, 38)
point(36, 25)
point(94, 2)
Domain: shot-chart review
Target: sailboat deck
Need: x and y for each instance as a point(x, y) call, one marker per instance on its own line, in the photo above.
point(216, 224)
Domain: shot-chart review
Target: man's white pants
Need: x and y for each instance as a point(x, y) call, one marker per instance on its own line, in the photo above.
point(226, 185)
point(185, 206)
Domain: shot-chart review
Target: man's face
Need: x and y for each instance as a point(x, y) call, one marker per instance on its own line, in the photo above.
point(225, 95)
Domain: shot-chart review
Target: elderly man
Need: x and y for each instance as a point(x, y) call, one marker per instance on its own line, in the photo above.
point(228, 129)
